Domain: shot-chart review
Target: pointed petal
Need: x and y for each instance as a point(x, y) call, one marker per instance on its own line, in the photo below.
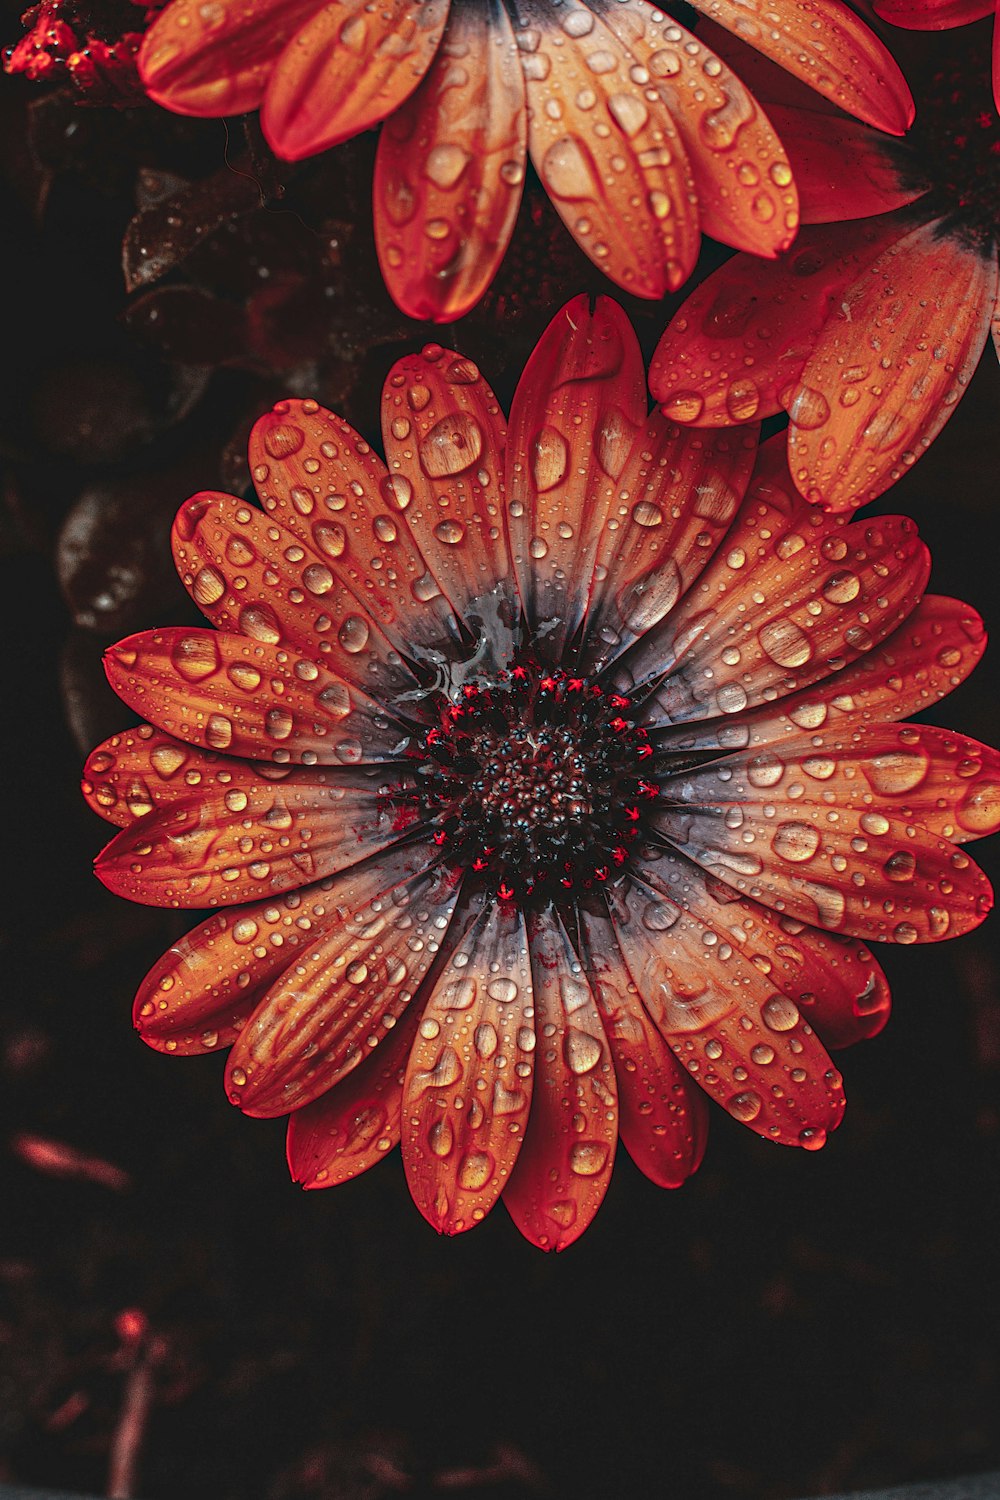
point(449, 169)
point(215, 59)
point(826, 45)
point(357, 1122)
point(468, 1084)
point(232, 843)
point(932, 15)
point(684, 486)
point(349, 66)
point(198, 996)
point(130, 773)
point(742, 177)
point(564, 1166)
point(889, 367)
point(663, 1115)
point(725, 1020)
point(607, 151)
point(575, 414)
point(444, 438)
point(930, 654)
point(318, 478)
point(842, 168)
point(346, 992)
point(743, 336)
point(812, 595)
point(247, 573)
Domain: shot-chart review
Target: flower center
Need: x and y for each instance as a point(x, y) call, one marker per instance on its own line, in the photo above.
point(954, 147)
point(536, 782)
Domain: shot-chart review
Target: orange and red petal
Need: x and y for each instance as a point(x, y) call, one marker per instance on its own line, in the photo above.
point(130, 773)
point(663, 1115)
point(234, 842)
point(322, 481)
point(467, 1093)
point(742, 177)
point(346, 992)
point(889, 367)
point(742, 338)
point(449, 170)
point(564, 1165)
point(215, 59)
point(932, 15)
point(577, 409)
point(445, 434)
point(842, 168)
point(827, 46)
point(608, 155)
point(350, 65)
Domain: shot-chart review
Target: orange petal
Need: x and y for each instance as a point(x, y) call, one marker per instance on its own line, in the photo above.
point(564, 1166)
point(606, 149)
point(468, 1084)
point(349, 66)
point(930, 654)
point(231, 843)
point(742, 177)
point(230, 693)
point(684, 487)
point(201, 59)
point(449, 170)
point(320, 480)
point(842, 169)
point(826, 45)
point(790, 597)
point(743, 336)
point(346, 992)
point(663, 1116)
point(130, 773)
point(575, 415)
point(734, 1028)
point(444, 437)
point(198, 996)
point(889, 367)
point(248, 574)
point(353, 1126)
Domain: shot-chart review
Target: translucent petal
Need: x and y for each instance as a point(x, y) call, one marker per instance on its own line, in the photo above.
point(564, 1166)
point(449, 170)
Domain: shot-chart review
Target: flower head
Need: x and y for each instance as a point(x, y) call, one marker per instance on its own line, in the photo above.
point(544, 781)
point(868, 330)
point(641, 134)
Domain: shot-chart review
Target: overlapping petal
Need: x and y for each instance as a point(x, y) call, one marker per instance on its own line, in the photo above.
point(818, 146)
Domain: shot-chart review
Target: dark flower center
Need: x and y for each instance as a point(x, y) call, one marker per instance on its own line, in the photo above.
point(536, 781)
point(954, 147)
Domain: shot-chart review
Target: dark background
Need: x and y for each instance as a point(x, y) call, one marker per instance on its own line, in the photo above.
point(787, 1324)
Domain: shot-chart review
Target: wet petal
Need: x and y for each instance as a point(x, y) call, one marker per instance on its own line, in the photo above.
point(889, 367)
point(348, 67)
point(564, 1166)
point(356, 1123)
point(676, 497)
point(842, 169)
point(444, 438)
point(743, 336)
point(826, 45)
point(790, 597)
point(742, 178)
point(318, 478)
point(737, 1031)
point(247, 573)
point(575, 414)
point(235, 842)
point(346, 992)
point(130, 773)
point(449, 170)
point(663, 1115)
point(468, 1084)
point(199, 59)
point(615, 168)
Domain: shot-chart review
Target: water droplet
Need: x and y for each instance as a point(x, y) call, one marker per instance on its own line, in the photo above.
point(353, 634)
point(587, 1158)
point(745, 1106)
point(196, 656)
point(582, 1052)
point(785, 643)
point(282, 439)
point(451, 446)
point(450, 531)
point(549, 459)
point(796, 842)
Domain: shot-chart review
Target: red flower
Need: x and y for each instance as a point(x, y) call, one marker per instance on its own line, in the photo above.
point(459, 902)
point(868, 331)
point(640, 134)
